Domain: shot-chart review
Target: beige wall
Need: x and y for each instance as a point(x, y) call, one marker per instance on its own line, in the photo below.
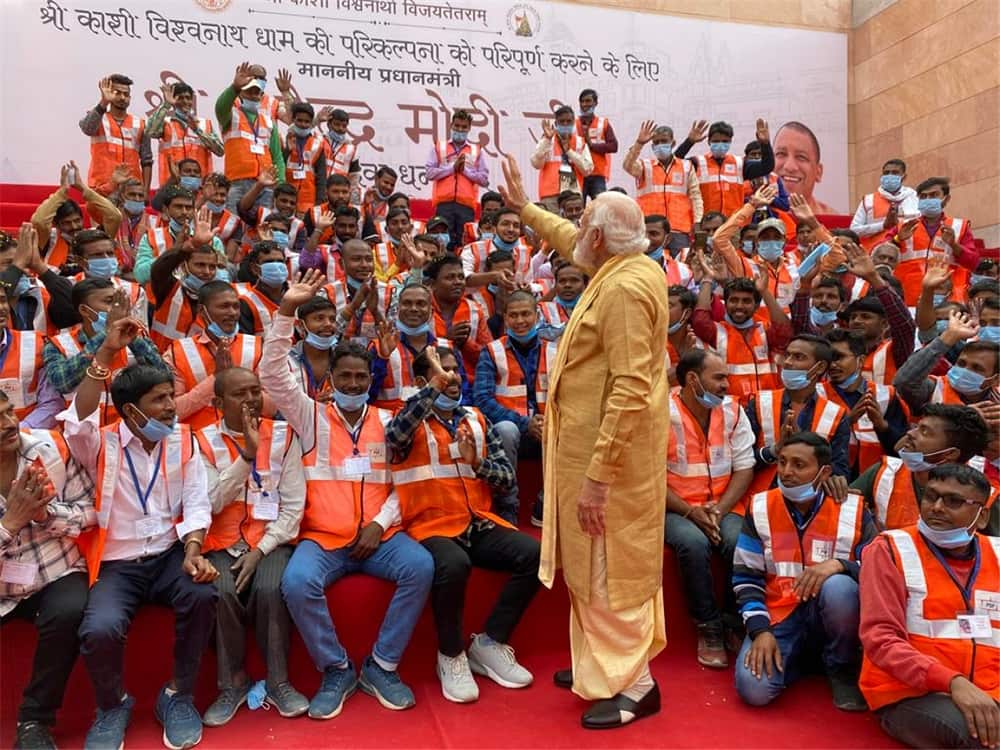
point(925, 86)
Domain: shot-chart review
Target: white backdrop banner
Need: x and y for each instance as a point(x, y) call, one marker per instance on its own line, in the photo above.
point(400, 67)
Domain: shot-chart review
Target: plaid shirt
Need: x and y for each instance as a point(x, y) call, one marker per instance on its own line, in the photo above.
point(66, 373)
point(51, 544)
point(494, 469)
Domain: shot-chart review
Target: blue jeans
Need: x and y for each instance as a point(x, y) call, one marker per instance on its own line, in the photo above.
point(312, 568)
point(594, 185)
point(506, 502)
point(239, 188)
point(694, 558)
point(830, 620)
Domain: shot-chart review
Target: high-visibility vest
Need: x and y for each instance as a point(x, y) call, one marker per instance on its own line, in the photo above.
point(300, 170)
point(251, 235)
point(194, 362)
point(178, 450)
point(67, 342)
point(548, 175)
point(832, 534)
point(21, 368)
point(876, 209)
point(676, 272)
point(699, 467)
point(136, 295)
point(933, 603)
point(384, 254)
point(467, 310)
point(553, 313)
point(664, 191)
point(58, 249)
point(943, 393)
point(480, 250)
point(160, 240)
point(227, 225)
point(115, 144)
point(440, 495)
point(470, 232)
point(917, 252)
point(510, 389)
point(40, 321)
point(784, 282)
point(859, 288)
point(180, 142)
point(173, 319)
point(880, 365)
point(241, 139)
point(749, 362)
point(330, 255)
point(339, 504)
point(235, 521)
point(261, 306)
point(365, 324)
point(598, 136)
point(398, 385)
point(721, 184)
point(339, 157)
point(865, 448)
point(418, 227)
point(47, 447)
point(456, 188)
point(896, 501)
point(316, 212)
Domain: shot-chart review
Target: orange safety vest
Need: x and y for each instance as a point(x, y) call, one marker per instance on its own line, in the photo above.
point(510, 389)
point(236, 521)
point(384, 254)
point(179, 142)
point(21, 367)
point(339, 157)
point(40, 322)
point(665, 192)
point(880, 365)
point(827, 416)
point(748, 361)
point(943, 393)
point(865, 449)
point(261, 306)
point(456, 188)
point(598, 131)
point(251, 235)
point(365, 325)
point(48, 448)
point(300, 170)
point(782, 283)
point(877, 207)
point(917, 252)
point(676, 272)
point(699, 468)
point(178, 450)
point(859, 289)
point(480, 250)
point(791, 232)
point(470, 233)
point(338, 503)
point(896, 502)
point(440, 495)
point(933, 603)
point(194, 362)
point(58, 249)
point(227, 225)
point(398, 387)
point(553, 313)
point(68, 344)
point(173, 319)
point(721, 184)
point(160, 240)
point(248, 147)
point(548, 175)
point(115, 144)
point(467, 310)
point(832, 534)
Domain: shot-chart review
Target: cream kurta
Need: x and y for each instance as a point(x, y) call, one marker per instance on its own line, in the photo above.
point(606, 418)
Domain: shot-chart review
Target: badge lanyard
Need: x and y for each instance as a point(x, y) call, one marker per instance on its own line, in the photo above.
point(144, 496)
point(965, 590)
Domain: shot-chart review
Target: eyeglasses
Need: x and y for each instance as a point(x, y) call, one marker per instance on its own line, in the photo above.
point(951, 502)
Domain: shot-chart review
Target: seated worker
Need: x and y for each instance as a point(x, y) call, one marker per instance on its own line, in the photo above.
point(338, 198)
point(445, 459)
point(21, 375)
point(457, 318)
point(817, 305)
point(257, 490)
point(361, 300)
point(493, 297)
point(95, 252)
point(184, 231)
point(259, 300)
point(507, 237)
point(38, 295)
point(309, 358)
point(709, 467)
point(795, 573)
point(929, 619)
point(680, 337)
point(254, 217)
point(387, 262)
point(892, 488)
point(511, 389)
point(175, 279)
point(658, 233)
point(489, 202)
point(324, 255)
point(570, 284)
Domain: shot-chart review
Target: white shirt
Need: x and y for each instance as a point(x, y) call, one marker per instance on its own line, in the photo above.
point(864, 222)
point(123, 541)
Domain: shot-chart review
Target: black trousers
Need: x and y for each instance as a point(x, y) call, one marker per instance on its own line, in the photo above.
point(495, 548)
point(456, 215)
point(56, 611)
point(122, 587)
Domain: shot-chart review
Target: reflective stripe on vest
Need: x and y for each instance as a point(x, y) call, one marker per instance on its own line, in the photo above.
point(878, 367)
point(437, 470)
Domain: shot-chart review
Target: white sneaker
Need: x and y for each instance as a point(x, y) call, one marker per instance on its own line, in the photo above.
point(457, 683)
point(496, 661)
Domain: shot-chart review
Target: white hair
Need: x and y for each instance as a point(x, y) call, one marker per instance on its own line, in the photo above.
point(621, 222)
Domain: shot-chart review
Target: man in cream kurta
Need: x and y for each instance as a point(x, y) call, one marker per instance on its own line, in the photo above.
point(606, 425)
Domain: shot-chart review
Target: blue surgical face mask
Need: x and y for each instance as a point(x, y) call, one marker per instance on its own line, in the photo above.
point(821, 317)
point(770, 249)
point(23, 285)
point(134, 208)
point(795, 379)
point(192, 282)
point(567, 306)
point(353, 284)
point(102, 268)
point(930, 207)
point(446, 403)
point(487, 236)
point(800, 493)
point(281, 238)
point(215, 330)
point(990, 334)
point(675, 327)
point(706, 399)
point(347, 402)
point(742, 326)
point(502, 244)
point(948, 538)
point(719, 148)
point(565, 130)
point(979, 278)
point(524, 338)
point(249, 106)
point(335, 138)
point(320, 342)
point(273, 273)
point(940, 326)
point(747, 246)
point(189, 182)
point(492, 289)
point(663, 151)
point(100, 324)
point(850, 380)
point(443, 238)
point(300, 131)
point(176, 227)
point(587, 111)
point(154, 430)
point(656, 254)
point(891, 183)
point(965, 381)
point(940, 299)
point(419, 330)
point(917, 460)
point(221, 274)
point(215, 208)
point(459, 136)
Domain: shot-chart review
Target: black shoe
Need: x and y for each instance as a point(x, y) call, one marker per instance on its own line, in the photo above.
point(563, 678)
point(32, 735)
point(846, 694)
point(607, 714)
